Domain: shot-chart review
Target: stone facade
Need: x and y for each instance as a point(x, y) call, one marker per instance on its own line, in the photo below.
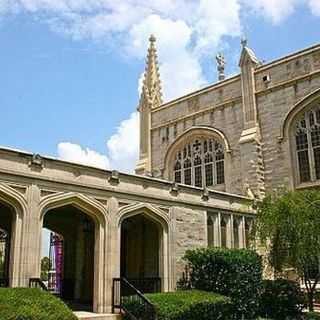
point(36, 189)
point(251, 113)
point(245, 121)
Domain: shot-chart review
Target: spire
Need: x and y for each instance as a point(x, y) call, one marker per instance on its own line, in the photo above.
point(151, 90)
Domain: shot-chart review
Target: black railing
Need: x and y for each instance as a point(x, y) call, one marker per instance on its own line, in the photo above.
point(146, 285)
point(37, 283)
point(125, 295)
point(4, 282)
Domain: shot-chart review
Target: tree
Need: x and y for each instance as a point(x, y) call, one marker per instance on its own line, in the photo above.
point(288, 223)
point(45, 267)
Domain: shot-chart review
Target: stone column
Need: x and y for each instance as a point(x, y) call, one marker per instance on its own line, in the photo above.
point(31, 241)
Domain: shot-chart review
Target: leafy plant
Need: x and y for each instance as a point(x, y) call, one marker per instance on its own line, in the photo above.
point(32, 304)
point(291, 222)
point(281, 299)
point(236, 273)
point(185, 305)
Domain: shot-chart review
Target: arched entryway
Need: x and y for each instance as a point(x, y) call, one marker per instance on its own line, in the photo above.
point(6, 231)
point(140, 253)
point(144, 248)
point(71, 254)
point(81, 223)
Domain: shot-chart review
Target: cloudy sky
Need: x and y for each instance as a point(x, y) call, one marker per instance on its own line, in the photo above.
point(69, 69)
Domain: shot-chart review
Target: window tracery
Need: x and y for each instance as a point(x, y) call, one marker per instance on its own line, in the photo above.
point(200, 163)
point(307, 140)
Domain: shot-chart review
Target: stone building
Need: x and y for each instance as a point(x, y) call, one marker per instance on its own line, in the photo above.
point(203, 158)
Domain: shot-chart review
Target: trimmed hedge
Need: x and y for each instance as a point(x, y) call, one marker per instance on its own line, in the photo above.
point(32, 304)
point(235, 273)
point(185, 305)
point(281, 299)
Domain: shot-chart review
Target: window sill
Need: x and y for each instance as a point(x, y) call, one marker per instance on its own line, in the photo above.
point(307, 185)
point(218, 187)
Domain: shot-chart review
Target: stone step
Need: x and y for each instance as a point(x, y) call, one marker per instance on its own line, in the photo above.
point(83, 315)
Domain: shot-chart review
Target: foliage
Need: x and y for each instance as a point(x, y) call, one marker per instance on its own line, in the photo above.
point(312, 316)
point(236, 273)
point(32, 304)
point(45, 267)
point(291, 222)
point(281, 299)
point(186, 305)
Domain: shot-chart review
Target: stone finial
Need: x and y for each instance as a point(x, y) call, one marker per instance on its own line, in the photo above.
point(221, 63)
point(244, 42)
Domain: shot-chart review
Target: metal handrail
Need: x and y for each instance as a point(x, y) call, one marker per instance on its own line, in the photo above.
point(118, 299)
point(37, 283)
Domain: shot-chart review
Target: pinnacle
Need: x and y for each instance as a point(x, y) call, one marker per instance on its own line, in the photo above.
point(152, 83)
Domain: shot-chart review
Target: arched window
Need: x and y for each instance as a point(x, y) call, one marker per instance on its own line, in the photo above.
point(224, 231)
point(307, 143)
point(210, 228)
point(200, 163)
point(247, 229)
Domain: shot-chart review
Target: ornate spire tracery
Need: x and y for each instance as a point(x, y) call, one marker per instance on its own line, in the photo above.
point(151, 90)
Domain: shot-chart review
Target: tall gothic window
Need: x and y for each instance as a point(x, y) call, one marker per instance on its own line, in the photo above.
point(307, 139)
point(247, 230)
point(224, 231)
point(236, 226)
point(210, 228)
point(200, 163)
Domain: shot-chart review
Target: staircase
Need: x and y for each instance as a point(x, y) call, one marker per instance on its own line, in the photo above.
point(124, 293)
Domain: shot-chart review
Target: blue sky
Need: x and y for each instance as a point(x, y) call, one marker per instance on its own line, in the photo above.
point(69, 69)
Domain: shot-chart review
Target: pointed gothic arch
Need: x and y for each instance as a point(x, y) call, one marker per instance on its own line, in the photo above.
point(299, 107)
point(18, 207)
point(159, 218)
point(195, 171)
point(98, 214)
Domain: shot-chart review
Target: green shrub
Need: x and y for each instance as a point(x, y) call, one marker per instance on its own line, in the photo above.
point(312, 316)
point(236, 273)
point(185, 305)
point(32, 304)
point(281, 299)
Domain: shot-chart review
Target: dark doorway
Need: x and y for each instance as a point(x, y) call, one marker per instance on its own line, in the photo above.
point(6, 226)
point(71, 255)
point(140, 253)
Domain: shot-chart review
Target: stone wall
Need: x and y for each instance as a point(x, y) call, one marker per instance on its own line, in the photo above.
point(263, 162)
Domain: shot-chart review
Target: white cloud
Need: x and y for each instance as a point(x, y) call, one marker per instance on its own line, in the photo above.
point(74, 153)
point(275, 10)
point(186, 29)
point(315, 7)
point(123, 146)
point(122, 149)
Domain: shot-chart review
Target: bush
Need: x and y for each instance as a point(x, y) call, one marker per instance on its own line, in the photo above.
point(312, 316)
point(32, 304)
point(236, 273)
point(185, 305)
point(281, 299)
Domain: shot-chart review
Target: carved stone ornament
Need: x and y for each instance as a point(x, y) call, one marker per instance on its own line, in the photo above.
point(114, 177)
point(205, 194)
point(174, 188)
point(36, 161)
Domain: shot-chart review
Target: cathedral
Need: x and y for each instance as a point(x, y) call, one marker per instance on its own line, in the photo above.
point(204, 158)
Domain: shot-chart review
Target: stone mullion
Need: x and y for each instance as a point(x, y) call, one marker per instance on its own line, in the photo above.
point(310, 150)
